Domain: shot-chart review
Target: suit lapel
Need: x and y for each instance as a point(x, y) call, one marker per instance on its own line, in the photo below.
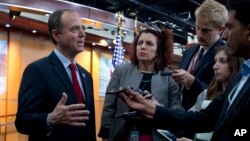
point(209, 56)
point(239, 97)
point(230, 86)
point(86, 86)
point(188, 57)
point(206, 58)
point(225, 114)
point(60, 71)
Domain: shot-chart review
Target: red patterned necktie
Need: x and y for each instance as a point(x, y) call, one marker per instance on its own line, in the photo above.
point(194, 62)
point(76, 84)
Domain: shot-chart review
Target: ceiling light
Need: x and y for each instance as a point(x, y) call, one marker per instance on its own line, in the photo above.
point(103, 42)
point(7, 25)
point(34, 31)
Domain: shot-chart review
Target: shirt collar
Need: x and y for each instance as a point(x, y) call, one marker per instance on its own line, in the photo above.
point(245, 68)
point(208, 47)
point(65, 61)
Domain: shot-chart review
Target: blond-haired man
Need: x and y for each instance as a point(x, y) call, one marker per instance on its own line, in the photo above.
point(196, 68)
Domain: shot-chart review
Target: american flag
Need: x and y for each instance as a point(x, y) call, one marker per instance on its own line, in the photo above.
point(118, 56)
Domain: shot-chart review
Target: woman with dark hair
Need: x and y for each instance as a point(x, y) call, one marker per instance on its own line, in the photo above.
point(225, 67)
point(150, 56)
point(164, 45)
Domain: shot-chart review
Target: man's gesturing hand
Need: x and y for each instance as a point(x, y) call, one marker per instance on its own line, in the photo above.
point(74, 114)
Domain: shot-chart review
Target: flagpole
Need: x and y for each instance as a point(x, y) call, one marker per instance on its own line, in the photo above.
point(118, 55)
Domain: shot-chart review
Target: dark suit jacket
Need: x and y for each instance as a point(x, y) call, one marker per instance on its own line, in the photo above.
point(214, 118)
point(41, 89)
point(203, 72)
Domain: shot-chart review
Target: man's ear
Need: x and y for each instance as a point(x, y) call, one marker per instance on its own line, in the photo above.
point(248, 32)
point(55, 35)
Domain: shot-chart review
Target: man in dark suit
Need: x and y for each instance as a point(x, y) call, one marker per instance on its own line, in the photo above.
point(55, 101)
point(228, 114)
point(196, 67)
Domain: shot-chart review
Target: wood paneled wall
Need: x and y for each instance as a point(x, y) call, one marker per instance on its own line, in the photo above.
point(3, 108)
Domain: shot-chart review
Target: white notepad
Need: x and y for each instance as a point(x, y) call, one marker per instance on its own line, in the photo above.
point(167, 135)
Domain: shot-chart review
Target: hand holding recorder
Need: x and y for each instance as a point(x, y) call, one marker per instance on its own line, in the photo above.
point(127, 91)
point(124, 90)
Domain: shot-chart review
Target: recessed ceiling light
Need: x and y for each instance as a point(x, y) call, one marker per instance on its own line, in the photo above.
point(7, 25)
point(34, 31)
point(103, 42)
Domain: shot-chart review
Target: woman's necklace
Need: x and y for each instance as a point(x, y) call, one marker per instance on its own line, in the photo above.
point(146, 82)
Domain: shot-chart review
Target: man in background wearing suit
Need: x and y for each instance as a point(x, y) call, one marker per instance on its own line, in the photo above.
point(228, 114)
point(196, 67)
point(55, 101)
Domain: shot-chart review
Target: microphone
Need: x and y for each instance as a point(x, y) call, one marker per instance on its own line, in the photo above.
point(125, 89)
point(126, 115)
point(132, 113)
point(166, 73)
point(118, 91)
